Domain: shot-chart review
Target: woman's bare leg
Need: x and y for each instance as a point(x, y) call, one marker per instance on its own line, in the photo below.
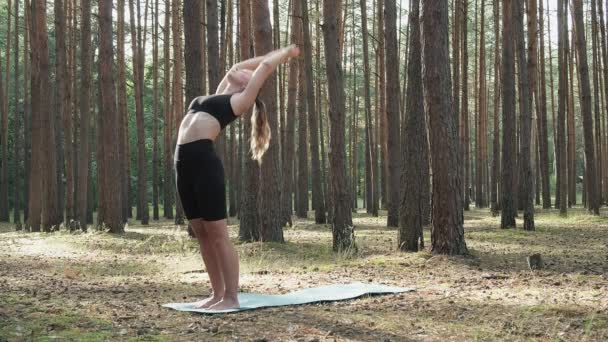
point(208, 253)
point(217, 231)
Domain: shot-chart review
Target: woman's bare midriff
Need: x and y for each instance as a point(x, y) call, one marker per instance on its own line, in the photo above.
point(196, 126)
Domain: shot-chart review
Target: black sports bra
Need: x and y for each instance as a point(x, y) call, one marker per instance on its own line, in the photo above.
point(217, 106)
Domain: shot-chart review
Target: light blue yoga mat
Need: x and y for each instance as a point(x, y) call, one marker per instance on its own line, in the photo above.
point(249, 301)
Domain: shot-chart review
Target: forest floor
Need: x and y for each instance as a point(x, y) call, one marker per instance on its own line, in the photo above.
point(95, 286)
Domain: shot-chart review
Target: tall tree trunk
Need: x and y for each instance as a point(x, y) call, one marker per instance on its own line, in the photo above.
point(177, 108)
point(19, 112)
point(342, 228)
point(84, 153)
point(542, 116)
point(481, 128)
point(604, 140)
point(497, 91)
point(155, 160)
point(524, 161)
point(290, 116)
point(585, 95)
point(168, 184)
point(142, 200)
point(248, 209)
point(596, 101)
point(562, 92)
point(570, 124)
point(381, 106)
point(447, 236)
point(416, 172)
point(508, 209)
point(63, 100)
point(392, 113)
point(270, 191)
point(370, 151)
point(464, 113)
point(302, 162)
point(4, 103)
point(111, 205)
point(313, 116)
point(121, 87)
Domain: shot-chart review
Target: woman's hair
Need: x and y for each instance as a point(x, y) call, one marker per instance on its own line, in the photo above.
point(260, 131)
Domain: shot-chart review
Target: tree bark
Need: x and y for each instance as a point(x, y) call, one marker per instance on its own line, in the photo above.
point(526, 96)
point(392, 113)
point(142, 201)
point(177, 108)
point(585, 93)
point(561, 115)
point(508, 209)
point(542, 117)
point(270, 218)
point(370, 152)
point(342, 228)
point(290, 117)
point(416, 172)
point(168, 184)
point(447, 236)
point(497, 91)
point(248, 210)
point(111, 206)
point(17, 131)
point(313, 116)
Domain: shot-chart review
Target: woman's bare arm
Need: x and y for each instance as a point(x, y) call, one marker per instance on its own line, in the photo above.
point(242, 101)
point(249, 64)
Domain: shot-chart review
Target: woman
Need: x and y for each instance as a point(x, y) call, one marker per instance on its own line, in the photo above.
point(200, 174)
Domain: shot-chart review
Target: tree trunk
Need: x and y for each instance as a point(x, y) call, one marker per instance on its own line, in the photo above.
point(290, 116)
point(155, 160)
point(464, 113)
point(111, 206)
point(317, 188)
point(497, 91)
point(596, 101)
point(342, 228)
point(177, 108)
point(248, 210)
point(4, 101)
point(17, 131)
point(447, 236)
point(508, 209)
point(585, 93)
point(482, 130)
point(562, 92)
point(84, 153)
point(381, 106)
point(370, 151)
point(392, 113)
point(169, 183)
point(542, 117)
point(527, 93)
point(604, 164)
point(416, 172)
point(270, 218)
point(121, 83)
point(142, 201)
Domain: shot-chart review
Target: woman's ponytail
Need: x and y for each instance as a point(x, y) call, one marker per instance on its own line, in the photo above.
point(260, 131)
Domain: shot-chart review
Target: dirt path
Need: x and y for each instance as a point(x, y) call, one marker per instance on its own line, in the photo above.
point(95, 286)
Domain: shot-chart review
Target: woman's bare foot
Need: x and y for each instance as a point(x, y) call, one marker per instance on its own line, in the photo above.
point(226, 303)
point(206, 303)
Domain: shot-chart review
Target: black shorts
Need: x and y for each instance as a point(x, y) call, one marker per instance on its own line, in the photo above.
point(199, 175)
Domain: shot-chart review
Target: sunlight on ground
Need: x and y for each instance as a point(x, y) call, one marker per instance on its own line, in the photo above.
point(96, 286)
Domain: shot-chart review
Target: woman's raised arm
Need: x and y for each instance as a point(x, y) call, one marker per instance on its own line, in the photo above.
point(242, 101)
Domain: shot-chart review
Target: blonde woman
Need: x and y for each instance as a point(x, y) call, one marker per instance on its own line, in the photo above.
point(200, 174)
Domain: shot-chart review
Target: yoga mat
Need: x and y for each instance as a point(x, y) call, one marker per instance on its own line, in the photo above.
point(334, 292)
